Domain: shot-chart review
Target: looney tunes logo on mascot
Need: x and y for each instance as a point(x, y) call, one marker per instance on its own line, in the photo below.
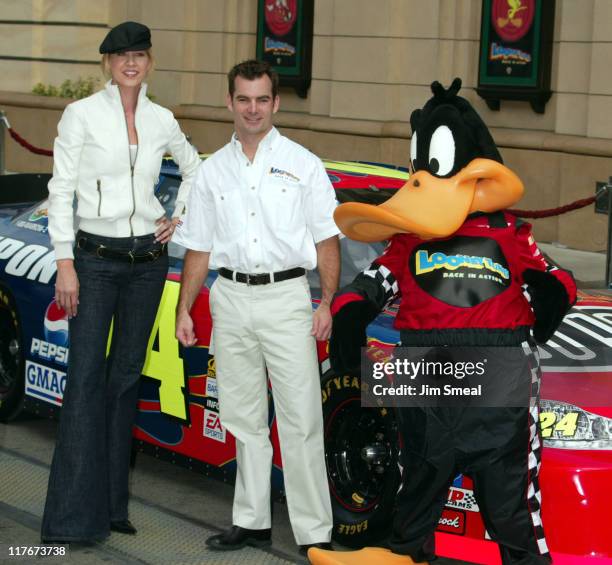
point(451, 207)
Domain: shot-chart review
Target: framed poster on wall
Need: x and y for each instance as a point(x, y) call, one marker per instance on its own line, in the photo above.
point(516, 52)
point(284, 39)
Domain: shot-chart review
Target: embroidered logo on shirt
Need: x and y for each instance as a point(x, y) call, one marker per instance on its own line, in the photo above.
point(281, 174)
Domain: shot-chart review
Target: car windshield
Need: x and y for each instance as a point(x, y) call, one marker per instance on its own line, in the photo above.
point(355, 256)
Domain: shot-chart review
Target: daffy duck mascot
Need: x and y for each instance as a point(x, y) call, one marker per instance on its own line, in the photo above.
point(451, 212)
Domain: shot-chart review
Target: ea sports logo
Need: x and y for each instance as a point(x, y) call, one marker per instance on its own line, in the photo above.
point(56, 325)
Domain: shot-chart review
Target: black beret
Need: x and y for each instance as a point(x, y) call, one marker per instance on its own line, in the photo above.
point(128, 36)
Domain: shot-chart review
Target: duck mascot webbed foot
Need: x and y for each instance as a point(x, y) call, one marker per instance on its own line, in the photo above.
point(468, 274)
point(365, 556)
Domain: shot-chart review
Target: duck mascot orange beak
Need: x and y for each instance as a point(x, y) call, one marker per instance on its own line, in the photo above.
point(457, 171)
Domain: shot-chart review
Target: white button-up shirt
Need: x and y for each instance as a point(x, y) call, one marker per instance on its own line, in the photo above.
point(263, 216)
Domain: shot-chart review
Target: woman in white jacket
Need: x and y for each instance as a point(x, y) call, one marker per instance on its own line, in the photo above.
point(108, 152)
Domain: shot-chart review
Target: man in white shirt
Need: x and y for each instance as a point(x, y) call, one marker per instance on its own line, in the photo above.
point(260, 212)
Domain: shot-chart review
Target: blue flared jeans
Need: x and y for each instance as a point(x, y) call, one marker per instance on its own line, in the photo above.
point(88, 483)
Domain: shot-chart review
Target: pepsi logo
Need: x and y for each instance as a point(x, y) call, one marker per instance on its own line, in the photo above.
point(56, 325)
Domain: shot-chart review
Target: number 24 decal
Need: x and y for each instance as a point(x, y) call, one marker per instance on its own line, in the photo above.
point(565, 426)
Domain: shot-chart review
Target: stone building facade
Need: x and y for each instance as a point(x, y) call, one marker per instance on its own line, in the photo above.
point(372, 65)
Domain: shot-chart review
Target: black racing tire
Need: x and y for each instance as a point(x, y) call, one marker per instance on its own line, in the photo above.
point(361, 452)
point(11, 359)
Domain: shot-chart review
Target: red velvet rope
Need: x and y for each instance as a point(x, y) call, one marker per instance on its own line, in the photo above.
point(521, 213)
point(554, 211)
point(29, 146)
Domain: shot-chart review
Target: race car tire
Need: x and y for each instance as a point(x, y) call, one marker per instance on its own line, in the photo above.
point(11, 359)
point(361, 452)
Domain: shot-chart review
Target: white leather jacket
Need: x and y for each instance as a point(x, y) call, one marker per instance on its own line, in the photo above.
point(91, 158)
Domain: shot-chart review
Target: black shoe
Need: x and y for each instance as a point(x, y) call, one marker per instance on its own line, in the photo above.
point(321, 545)
point(237, 538)
point(123, 527)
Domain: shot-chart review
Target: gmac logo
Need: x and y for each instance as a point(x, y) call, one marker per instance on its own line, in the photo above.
point(45, 383)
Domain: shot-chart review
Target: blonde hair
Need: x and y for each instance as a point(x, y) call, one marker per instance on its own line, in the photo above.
point(105, 63)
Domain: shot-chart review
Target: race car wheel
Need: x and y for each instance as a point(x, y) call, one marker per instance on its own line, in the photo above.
point(361, 451)
point(11, 359)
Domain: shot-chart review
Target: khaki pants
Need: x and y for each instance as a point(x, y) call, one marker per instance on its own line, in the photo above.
point(268, 327)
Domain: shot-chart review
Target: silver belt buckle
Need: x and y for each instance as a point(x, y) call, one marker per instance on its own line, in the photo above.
point(248, 279)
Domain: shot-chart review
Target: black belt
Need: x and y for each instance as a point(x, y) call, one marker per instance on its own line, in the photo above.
point(262, 278)
point(120, 255)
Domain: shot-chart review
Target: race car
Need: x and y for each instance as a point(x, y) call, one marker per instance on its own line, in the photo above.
point(178, 416)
